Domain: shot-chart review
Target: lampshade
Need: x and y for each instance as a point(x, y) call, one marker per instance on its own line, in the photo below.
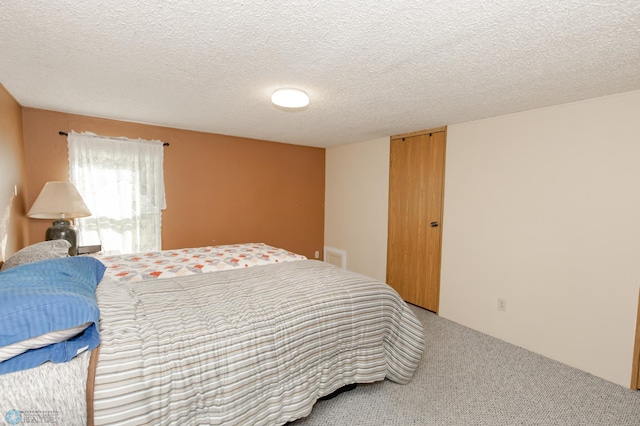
point(59, 200)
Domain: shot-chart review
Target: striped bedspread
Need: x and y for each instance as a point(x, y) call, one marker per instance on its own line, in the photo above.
point(251, 346)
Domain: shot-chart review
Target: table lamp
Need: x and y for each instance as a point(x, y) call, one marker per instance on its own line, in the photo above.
point(60, 201)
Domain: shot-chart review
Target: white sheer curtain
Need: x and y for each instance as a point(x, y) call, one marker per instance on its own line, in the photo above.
point(122, 182)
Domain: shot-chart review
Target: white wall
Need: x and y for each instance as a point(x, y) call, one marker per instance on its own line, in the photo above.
point(542, 208)
point(356, 204)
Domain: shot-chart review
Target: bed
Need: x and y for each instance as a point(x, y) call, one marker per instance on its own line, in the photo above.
point(239, 334)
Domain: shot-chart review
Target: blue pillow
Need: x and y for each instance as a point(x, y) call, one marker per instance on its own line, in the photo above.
point(45, 296)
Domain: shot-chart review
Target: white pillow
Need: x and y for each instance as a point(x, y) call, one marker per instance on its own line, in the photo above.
point(58, 336)
point(39, 251)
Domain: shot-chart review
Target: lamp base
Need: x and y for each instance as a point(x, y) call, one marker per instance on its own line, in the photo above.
point(63, 230)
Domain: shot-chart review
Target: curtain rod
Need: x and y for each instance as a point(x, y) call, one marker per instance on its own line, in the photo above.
point(61, 133)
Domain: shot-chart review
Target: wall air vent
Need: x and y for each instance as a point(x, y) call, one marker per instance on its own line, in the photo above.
point(335, 257)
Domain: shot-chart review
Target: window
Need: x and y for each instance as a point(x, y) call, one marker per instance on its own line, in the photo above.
point(122, 182)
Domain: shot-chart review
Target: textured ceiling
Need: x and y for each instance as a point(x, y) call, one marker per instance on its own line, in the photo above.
point(371, 68)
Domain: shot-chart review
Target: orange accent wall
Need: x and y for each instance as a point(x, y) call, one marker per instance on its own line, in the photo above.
point(220, 189)
point(13, 222)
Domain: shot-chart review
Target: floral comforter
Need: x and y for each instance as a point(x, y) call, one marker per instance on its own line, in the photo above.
point(189, 261)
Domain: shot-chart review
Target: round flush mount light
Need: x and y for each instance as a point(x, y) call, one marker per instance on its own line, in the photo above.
point(290, 98)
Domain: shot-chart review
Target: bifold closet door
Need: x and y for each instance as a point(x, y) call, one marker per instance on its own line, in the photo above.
point(416, 190)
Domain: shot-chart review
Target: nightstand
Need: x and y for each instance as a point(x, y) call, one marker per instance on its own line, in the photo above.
point(89, 249)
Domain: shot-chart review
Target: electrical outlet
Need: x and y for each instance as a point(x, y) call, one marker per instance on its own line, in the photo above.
point(317, 254)
point(502, 305)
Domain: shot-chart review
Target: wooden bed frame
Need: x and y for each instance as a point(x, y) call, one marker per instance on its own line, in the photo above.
point(91, 381)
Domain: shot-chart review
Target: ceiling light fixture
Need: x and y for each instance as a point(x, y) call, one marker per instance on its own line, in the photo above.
point(290, 98)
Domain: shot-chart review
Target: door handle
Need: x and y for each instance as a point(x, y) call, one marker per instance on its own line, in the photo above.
point(434, 224)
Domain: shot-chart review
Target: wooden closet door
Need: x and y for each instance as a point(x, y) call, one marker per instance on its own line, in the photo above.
point(635, 366)
point(416, 189)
